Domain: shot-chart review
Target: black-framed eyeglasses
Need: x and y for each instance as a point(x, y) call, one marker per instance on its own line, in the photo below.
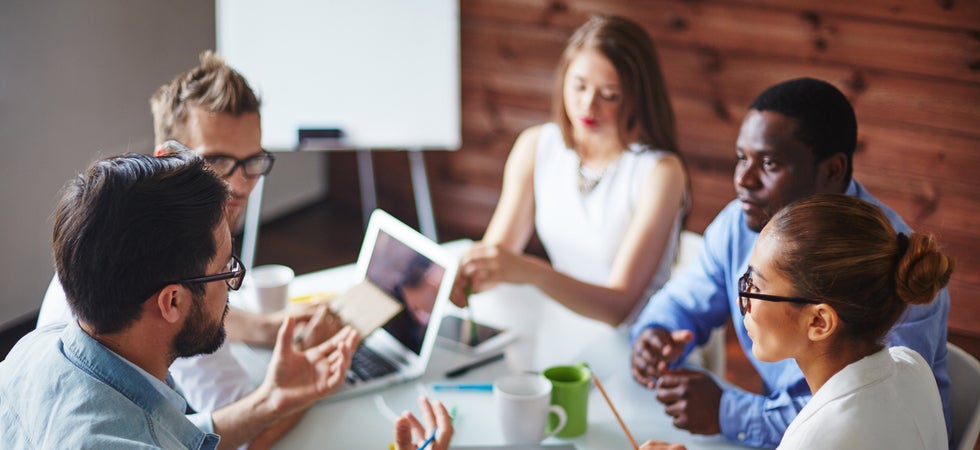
point(253, 167)
point(745, 287)
point(233, 277)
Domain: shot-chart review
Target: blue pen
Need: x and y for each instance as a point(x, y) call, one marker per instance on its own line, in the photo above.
point(483, 387)
point(428, 441)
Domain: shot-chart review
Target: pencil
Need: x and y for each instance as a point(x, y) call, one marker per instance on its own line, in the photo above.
point(615, 413)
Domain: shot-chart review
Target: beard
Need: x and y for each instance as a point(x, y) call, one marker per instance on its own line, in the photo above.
point(198, 336)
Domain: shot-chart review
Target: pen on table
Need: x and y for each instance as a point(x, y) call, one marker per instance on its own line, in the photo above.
point(473, 365)
point(485, 387)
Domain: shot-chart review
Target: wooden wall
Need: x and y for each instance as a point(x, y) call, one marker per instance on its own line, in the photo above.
point(910, 67)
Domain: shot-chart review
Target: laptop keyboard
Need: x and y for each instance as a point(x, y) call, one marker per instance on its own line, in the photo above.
point(367, 364)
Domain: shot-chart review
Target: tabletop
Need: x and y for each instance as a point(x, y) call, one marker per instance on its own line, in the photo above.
point(548, 334)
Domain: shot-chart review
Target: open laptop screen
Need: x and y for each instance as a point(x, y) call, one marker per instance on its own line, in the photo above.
point(411, 278)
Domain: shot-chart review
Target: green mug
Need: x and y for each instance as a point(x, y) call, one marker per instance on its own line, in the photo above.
point(570, 390)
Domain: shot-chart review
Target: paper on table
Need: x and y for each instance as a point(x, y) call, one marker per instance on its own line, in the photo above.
point(365, 307)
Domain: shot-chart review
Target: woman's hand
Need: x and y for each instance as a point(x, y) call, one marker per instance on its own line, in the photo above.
point(410, 434)
point(660, 445)
point(484, 266)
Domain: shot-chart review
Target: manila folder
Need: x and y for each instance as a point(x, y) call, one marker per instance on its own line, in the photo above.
point(365, 307)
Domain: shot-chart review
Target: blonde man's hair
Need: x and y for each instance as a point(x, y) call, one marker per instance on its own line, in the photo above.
point(212, 86)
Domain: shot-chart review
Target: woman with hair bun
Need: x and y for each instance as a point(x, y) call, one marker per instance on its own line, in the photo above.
point(827, 279)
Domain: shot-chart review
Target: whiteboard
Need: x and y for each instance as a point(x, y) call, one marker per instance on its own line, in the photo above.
point(384, 72)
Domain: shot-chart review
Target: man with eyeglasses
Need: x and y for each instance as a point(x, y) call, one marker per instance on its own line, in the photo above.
point(797, 139)
point(211, 110)
point(144, 253)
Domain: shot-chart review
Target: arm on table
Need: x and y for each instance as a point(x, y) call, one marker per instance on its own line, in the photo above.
point(695, 300)
point(261, 328)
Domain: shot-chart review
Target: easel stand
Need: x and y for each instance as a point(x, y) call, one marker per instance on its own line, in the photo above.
point(420, 187)
point(369, 201)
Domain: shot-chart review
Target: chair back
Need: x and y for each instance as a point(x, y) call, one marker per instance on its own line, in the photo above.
point(964, 393)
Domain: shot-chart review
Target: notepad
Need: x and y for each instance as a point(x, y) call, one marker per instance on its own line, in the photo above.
point(365, 307)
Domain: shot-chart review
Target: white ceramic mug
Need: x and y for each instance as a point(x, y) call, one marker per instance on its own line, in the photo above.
point(523, 405)
point(272, 286)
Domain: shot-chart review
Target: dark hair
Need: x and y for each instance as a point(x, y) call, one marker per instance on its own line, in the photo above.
point(212, 86)
point(646, 115)
point(841, 250)
point(825, 119)
point(130, 224)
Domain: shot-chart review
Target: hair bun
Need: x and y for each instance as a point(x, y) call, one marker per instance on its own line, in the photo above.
point(922, 270)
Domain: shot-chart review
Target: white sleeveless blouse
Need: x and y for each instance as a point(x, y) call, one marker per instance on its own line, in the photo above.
point(582, 232)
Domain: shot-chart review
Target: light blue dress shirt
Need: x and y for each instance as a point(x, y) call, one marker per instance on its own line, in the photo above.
point(59, 388)
point(704, 296)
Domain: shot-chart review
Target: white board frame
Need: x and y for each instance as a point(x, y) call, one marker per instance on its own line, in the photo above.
point(385, 72)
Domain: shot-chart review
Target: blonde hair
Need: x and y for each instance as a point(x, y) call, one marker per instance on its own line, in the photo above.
point(840, 250)
point(646, 115)
point(212, 86)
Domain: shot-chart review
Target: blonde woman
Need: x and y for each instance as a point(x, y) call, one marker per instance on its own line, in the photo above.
point(602, 185)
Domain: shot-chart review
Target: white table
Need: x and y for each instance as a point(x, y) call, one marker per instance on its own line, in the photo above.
point(549, 335)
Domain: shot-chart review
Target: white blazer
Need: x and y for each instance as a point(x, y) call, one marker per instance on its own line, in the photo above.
point(885, 400)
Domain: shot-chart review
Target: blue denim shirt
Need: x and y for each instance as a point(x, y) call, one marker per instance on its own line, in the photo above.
point(59, 388)
point(704, 296)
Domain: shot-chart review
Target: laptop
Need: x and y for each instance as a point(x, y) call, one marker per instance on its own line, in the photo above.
point(417, 273)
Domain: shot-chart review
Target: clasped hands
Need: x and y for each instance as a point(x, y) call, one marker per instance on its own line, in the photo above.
point(691, 397)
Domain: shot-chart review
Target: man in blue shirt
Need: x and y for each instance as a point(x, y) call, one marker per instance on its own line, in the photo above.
point(144, 254)
point(797, 139)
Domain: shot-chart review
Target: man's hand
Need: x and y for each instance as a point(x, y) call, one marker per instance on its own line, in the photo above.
point(296, 379)
point(654, 350)
point(322, 325)
point(410, 434)
point(692, 398)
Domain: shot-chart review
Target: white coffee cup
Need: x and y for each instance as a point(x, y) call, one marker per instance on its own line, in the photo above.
point(272, 286)
point(523, 404)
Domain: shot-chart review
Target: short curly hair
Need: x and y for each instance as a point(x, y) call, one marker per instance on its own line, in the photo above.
point(825, 119)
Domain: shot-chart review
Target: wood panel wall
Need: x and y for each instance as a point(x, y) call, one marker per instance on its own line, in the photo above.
point(910, 67)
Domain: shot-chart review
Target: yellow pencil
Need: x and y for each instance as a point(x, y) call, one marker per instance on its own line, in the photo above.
point(615, 413)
